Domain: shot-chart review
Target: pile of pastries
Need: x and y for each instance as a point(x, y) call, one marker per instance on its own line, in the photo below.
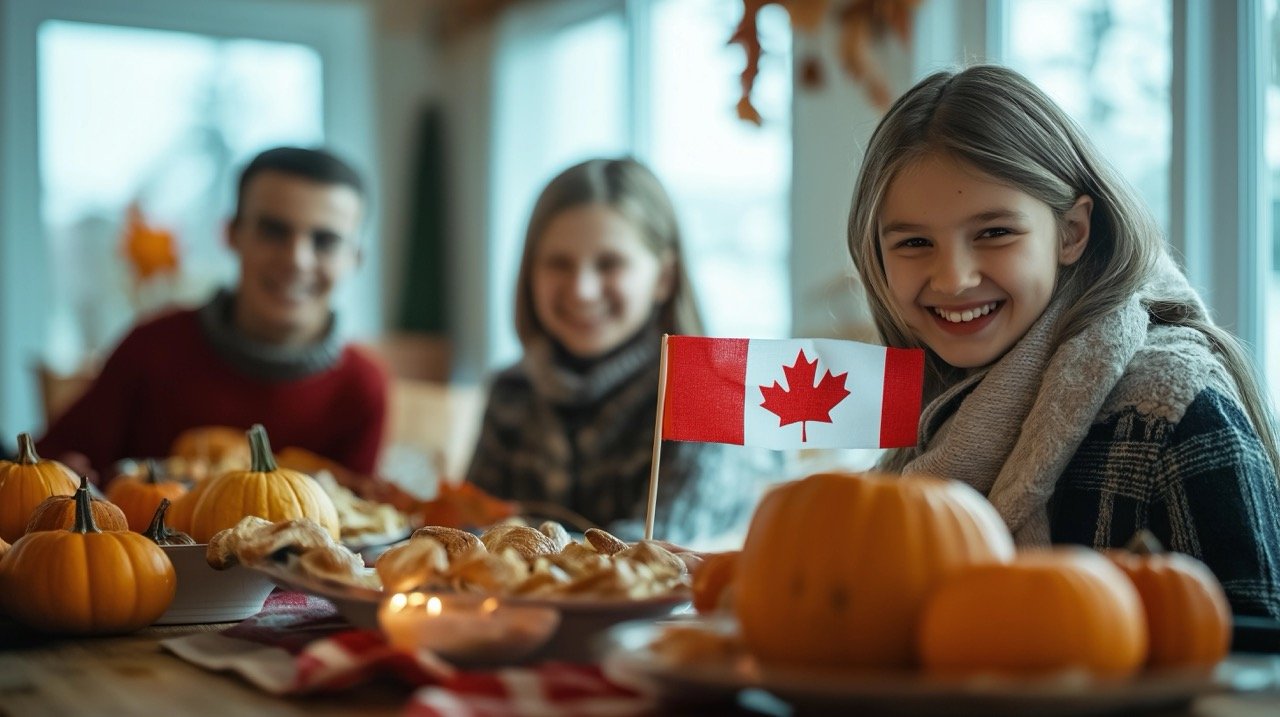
point(513, 559)
point(510, 559)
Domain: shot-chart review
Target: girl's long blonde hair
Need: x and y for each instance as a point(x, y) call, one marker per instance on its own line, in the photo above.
point(632, 190)
point(997, 121)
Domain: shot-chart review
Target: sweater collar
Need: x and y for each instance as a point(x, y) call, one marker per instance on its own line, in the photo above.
point(585, 383)
point(259, 359)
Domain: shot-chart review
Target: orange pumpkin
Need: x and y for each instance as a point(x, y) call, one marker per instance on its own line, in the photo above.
point(264, 490)
point(85, 581)
point(1048, 610)
point(836, 567)
point(58, 512)
point(180, 514)
point(712, 580)
point(27, 481)
point(1188, 617)
point(138, 496)
point(212, 445)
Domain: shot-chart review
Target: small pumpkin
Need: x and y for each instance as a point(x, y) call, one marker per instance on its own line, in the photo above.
point(1046, 611)
point(180, 514)
point(212, 445)
point(85, 581)
point(137, 496)
point(1188, 616)
point(836, 567)
point(712, 580)
point(265, 490)
point(58, 512)
point(27, 481)
point(162, 534)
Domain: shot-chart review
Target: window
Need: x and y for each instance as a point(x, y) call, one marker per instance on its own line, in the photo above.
point(730, 180)
point(160, 121)
point(106, 101)
point(561, 95)
point(1108, 64)
point(600, 78)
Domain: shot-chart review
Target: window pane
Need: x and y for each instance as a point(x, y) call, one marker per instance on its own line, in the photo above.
point(560, 99)
point(1108, 64)
point(730, 180)
point(161, 120)
point(1271, 327)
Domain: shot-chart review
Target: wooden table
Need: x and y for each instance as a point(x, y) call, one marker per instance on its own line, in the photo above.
point(44, 676)
point(133, 675)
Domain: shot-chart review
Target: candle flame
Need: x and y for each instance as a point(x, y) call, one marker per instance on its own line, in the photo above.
point(489, 606)
point(417, 599)
point(433, 606)
point(398, 601)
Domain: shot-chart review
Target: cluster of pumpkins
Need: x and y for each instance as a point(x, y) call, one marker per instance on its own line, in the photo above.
point(866, 571)
point(73, 564)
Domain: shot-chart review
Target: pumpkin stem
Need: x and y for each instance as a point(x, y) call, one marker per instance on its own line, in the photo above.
point(84, 509)
point(1144, 542)
point(260, 450)
point(27, 450)
point(157, 530)
point(153, 469)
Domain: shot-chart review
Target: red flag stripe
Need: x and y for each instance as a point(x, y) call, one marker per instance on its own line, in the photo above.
point(903, 390)
point(705, 396)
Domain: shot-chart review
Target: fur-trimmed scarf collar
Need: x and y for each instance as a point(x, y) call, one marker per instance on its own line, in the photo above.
point(1010, 429)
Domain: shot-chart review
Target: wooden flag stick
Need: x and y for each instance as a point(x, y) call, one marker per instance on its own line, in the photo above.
point(657, 443)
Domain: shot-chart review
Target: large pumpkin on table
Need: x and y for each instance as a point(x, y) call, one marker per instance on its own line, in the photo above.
point(264, 490)
point(1046, 611)
point(27, 481)
point(1188, 616)
point(836, 567)
point(84, 581)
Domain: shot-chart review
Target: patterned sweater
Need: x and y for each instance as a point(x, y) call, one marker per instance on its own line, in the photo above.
point(1181, 459)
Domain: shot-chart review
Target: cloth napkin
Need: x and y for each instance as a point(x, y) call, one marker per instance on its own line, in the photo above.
point(298, 644)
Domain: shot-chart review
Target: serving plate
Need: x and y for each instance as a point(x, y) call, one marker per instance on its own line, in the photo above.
point(582, 619)
point(629, 657)
point(205, 595)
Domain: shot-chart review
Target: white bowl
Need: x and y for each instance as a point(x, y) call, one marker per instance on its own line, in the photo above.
point(207, 595)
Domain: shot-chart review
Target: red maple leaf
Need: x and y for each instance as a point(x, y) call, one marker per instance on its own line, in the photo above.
point(804, 401)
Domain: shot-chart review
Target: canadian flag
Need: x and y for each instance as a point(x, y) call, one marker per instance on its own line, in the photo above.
point(792, 393)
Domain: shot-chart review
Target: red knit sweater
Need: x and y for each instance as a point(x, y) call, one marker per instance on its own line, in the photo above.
point(166, 377)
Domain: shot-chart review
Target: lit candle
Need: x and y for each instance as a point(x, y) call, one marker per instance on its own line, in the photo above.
point(464, 627)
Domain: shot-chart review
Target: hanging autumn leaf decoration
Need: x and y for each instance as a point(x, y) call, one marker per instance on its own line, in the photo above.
point(148, 249)
point(862, 24)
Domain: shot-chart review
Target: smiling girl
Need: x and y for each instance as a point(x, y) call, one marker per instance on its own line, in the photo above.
point(601, 279)
point(1072, 374)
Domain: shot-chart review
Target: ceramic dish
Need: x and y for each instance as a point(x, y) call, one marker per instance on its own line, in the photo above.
point(582, 620)
point(629, 657)
point(207, 595)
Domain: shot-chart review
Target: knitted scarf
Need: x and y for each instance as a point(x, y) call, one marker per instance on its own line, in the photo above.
point(1010, 430)
point(262, 360)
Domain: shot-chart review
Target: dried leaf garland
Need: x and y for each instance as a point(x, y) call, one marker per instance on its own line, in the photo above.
point(861, 25)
